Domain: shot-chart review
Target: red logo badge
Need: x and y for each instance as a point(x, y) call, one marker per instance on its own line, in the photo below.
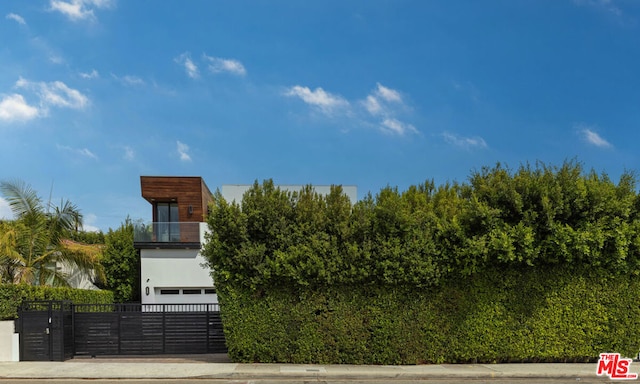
point(614, 366)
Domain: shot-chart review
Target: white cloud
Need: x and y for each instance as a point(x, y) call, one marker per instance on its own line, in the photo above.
point(91, 75)
point(604, 5)
point(89, 221)
point(56, 94)
point(5, 210)
point(19, 19)
point(132, 80)
point(372, 105)
point(594, 139)
point(77, 10)
point(383, 105)
point(388, 94)
point(183, 151)
point(56, 59)
point(397, 127)
point(129, 80)
point(78, 151)
point(129, 153)
point(15, 108)
point(383, 101)
point(219, 65)
point(464, 142)
point(189, 66)
point(319, 98)
point(386, 104)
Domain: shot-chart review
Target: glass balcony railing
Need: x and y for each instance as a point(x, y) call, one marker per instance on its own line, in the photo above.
point(158, 232)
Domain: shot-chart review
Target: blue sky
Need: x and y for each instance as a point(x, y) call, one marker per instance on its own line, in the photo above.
point(96, 93)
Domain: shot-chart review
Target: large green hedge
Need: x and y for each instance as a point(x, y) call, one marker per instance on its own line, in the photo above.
point(11, 296)
point(501, 316)
point(541, 263)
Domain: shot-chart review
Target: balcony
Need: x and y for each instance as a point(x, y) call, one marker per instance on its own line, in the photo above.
point(171, 235)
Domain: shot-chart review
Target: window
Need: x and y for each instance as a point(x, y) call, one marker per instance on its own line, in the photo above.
point(191, 291)
point(167, 226)
point(209, 291)
point(169, 291)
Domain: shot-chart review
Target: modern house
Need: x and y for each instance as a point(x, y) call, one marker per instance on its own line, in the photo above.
point(170, 260)
point(172, 269)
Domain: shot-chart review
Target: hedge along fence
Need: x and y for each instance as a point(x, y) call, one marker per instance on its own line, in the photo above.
point(11, 296)
point(499, 316)
point(417, 276)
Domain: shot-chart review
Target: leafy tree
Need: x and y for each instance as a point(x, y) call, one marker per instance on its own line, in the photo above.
point(535, 216)
point(88, 237)
point(31, 246)
point(122, 263)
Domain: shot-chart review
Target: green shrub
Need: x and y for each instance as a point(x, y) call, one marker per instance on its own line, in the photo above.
point(12, 296)
point(514, 315)
point(537, 264)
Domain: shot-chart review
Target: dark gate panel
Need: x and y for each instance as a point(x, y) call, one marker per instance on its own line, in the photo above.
point(216, 341)
point(46, 330)
point(186, 332)
point(135, 329)
point(96, 331)
point(34, 340)
point(141, 333)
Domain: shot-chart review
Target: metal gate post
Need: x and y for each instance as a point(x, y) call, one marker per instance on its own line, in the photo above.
point(164, 328)
point(120, 312)
point(73, 327)
point(208, 320)
point(21, 331)
point(49, 330)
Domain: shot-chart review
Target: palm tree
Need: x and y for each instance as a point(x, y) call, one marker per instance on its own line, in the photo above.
point(31, 247)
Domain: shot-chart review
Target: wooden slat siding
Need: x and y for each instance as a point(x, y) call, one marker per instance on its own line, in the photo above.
point(185, 190)
point(207, 197)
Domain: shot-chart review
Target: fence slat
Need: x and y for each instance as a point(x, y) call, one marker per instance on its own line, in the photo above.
point(146, 329)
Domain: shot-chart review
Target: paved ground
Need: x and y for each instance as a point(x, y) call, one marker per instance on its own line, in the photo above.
point(218, 367)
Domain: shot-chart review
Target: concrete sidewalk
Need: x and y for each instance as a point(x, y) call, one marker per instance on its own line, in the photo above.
point(163, 369)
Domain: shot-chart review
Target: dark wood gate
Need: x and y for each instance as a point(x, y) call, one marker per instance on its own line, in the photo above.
point(136, 329)
point(46, 330)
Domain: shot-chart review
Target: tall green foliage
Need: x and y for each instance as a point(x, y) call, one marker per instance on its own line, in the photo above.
point(534, 264)
point(502, 315)
point(536, 216)
point(31, 246)
point(122, 263)
point(12, 296)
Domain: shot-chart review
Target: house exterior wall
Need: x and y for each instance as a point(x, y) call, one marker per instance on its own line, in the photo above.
point(165, 271)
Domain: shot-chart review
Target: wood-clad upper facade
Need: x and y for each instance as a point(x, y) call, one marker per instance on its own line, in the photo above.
point(190, 193)
point(179, 210)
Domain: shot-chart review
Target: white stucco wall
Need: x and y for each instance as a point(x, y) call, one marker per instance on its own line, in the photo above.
point(8, 342)
point(170, 269)
point(175, 269)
